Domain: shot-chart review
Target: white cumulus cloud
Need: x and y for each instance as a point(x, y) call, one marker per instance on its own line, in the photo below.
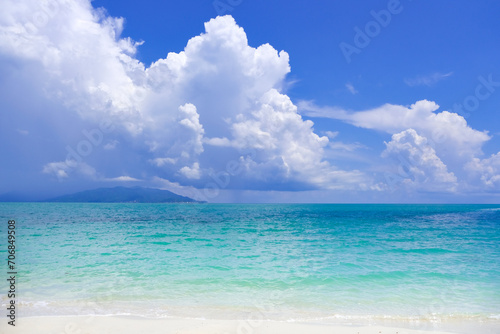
point(486, 170)
point(439, 127)
point(454, 141)
point(419, 165)
point(286, 146)
point(192, 172)
point(451, 145)
point(219, 92)
point(76, 55)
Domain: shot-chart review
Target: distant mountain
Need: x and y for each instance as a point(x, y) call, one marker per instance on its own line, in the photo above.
point(124, 195)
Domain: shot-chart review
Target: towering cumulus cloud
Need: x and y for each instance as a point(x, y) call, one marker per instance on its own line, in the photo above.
point(182, 119)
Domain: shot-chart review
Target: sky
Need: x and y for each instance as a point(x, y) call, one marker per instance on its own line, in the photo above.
point(252, 101)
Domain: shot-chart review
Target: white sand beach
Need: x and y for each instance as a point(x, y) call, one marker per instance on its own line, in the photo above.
point(130, 325)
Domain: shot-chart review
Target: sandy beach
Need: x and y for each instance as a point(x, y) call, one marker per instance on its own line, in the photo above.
point(129, 325)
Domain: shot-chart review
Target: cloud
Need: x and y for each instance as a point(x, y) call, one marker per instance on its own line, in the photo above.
point(331, 134)
point(111, 145)
point(194, 130)
point(187, 118)
point(309, 108)
point(184, 117)
point(123, 178)
point(451, 146)
point(445, 130)
point(63, 169)
point(162, 161)
point(192, 172)
point(285, 146)
point(421, 168)
point(179, 189)
point(76, 54)
point(351, 88)
point(58, 169)
point(338, 145)
point(427, 80)
point(487, 171)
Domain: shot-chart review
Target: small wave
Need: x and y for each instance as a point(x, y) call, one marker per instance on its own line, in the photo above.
point(490, 209)
point(422, 250)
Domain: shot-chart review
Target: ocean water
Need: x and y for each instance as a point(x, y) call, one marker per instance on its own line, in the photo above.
point(420, 265)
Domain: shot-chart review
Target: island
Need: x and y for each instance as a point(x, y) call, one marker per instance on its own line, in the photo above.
point(124, 195)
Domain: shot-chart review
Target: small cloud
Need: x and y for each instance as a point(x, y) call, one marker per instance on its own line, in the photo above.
point(163, 161)
point(179, 189)
point(191, 172)
point(62, 169)
point(153, 145)
point(331, 134)
point(346, 147)
point(23, 132)
point(351, 88)
point(111, 145)
point(310, 109)
point(218, 141)
point(427, 80)
point(122, 178)
point(59, 169)
point(288, 84)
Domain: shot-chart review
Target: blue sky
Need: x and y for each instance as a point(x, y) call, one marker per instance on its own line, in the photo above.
point(252, 101)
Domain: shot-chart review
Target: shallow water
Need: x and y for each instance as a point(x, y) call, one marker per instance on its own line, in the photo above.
point(424, 264)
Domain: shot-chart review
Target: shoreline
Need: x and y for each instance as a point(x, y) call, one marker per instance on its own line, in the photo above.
point(253, 322)
point(136, 324)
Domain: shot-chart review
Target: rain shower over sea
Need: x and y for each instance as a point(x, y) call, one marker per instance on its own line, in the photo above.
point(420, 265)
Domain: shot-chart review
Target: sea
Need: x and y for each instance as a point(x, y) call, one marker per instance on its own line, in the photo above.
point(433, 267)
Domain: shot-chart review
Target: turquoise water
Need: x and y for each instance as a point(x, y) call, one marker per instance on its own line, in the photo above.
point(337, 263)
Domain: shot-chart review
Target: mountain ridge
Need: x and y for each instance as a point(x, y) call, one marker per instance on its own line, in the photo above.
point(122, 194)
